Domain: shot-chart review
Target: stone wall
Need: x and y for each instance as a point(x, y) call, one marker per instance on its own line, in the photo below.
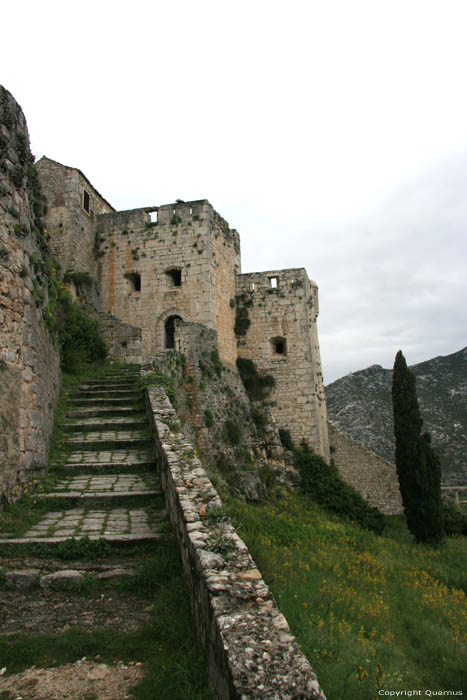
point(282, 340)
point(181, 265)
point(70, 218)
point(29, 365)
point(250, 650)
point(123, 341)
point(372, 476)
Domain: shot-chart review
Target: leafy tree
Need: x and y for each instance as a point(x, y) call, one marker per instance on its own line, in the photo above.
point(418, 467)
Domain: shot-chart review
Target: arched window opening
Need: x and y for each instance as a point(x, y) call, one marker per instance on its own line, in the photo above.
point(170, 332)
point(279, 346)
point(174, 277)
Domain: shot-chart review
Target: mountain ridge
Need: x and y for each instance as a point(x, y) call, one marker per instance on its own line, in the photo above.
point(360, 406)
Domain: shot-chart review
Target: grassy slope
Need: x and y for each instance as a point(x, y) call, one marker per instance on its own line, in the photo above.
point(370, 612)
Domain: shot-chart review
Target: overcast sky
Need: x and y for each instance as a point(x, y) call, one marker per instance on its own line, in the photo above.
point(331, 134)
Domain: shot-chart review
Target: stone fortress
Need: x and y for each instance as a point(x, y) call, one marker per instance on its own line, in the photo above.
point(160, 266)
point(159, 279)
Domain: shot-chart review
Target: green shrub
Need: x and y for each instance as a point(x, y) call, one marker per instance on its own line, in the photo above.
point(78, 334)
point(325, 486)
point(208, 418)
point(259, 418)
point(286, 439)
point(258, 386)
point(454, 521)
point(167, 383)
point(232, 432)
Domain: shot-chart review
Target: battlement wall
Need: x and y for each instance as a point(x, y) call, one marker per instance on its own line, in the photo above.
point(276, 328)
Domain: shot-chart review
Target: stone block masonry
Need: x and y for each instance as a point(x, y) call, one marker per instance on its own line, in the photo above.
point(279, 333)
point(73, 205)
point(372, 476)
point(29, 366)
point(250, 649)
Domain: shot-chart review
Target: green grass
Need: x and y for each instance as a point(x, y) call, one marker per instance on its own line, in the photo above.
point(370, 612)
point(173, 661)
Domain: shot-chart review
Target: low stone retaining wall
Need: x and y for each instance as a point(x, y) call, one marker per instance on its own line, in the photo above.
point(250, 649)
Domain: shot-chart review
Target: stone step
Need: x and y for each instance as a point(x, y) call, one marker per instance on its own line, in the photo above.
point(105, 424)
point(106, 486)
point(103, 412)
point(126, 539)
point(96, 523)
point(97, 402)
point(109, 440)
point(96, 458)
point(109, 467)
point(110, 393)
point(122, 377)
point(109, 445)
point(129, 382)
point(104, 495)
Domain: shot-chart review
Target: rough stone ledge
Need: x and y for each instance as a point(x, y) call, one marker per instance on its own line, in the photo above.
point(250, 648)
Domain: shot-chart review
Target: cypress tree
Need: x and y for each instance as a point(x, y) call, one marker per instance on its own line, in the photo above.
point(417, 465)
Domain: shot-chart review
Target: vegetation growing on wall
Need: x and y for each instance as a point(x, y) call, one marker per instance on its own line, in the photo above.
point(242, 320)
point(258, 386)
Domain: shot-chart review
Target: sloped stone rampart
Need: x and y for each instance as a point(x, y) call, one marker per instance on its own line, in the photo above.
point(29, 365)
point(251, 651)
point(372, 476)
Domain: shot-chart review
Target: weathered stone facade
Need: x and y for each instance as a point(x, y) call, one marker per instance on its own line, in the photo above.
point(157, 265)
point(73, 206)
point(282, 339)
point(29, 367)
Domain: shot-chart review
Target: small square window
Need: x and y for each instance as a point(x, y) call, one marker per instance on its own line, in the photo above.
point(174, 277)
point(273, 282)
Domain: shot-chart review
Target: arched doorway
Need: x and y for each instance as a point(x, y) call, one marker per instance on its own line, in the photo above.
point(170, 332)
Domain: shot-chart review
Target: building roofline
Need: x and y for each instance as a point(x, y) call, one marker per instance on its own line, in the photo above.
point(70, 167)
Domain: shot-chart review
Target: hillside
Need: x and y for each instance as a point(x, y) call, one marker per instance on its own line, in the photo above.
point(360, 406)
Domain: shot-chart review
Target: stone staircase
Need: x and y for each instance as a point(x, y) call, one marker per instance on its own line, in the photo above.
point(108, 488)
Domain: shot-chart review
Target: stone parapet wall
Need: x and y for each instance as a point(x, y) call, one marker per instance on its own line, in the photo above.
point(250, 649)
point(282, 340)
point(29, 363)
point(372, 476)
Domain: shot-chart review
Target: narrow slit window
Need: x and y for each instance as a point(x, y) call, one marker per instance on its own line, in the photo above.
point(252, 287)
point(279, 346)
point(86, 201)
